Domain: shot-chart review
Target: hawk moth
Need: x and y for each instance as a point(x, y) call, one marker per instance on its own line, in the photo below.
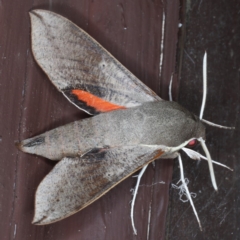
point(131, 125)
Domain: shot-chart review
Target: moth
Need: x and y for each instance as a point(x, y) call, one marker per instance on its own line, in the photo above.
point(131, 125)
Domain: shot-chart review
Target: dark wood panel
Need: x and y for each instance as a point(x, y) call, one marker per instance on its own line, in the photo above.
point(132, 32)
point(211, 26)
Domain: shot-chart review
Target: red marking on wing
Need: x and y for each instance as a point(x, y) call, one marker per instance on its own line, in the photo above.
point(96, 102)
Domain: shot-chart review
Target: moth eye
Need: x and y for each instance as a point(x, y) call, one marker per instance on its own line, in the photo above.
point(192, 143)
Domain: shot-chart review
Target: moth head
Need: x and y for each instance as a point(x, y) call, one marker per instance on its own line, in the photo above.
point(198, 132)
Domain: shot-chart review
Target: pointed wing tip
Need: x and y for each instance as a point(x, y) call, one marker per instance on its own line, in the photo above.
point(34, 12)
point(34, 15)
point(38, 13)
point(38, 220)
point(41, 219)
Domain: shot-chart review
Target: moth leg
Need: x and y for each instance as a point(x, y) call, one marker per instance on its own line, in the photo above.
point(135, 191)
point(187, 191)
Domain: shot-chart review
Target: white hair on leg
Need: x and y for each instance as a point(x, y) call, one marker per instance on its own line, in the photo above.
point(139, 176)
point(210, 165)
point(187, 193)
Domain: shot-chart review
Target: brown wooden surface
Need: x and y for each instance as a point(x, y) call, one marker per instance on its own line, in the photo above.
point(211, 26)
point(30, 105)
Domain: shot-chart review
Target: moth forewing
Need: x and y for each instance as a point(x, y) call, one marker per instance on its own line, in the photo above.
point(88, 75)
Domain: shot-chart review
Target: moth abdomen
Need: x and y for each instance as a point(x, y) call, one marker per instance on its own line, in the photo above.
point(30, 143)
point(35, 142)
point(67, 141)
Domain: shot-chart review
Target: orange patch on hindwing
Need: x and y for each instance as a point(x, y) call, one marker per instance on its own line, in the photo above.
point(95, 102)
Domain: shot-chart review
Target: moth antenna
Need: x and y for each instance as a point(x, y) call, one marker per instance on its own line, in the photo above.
point(134, 196)
point(204, 85)
point(187, 191)
point(210, 165)
point(170, 89)
point(197, 156)
point(205, 96)
point(216, 125)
